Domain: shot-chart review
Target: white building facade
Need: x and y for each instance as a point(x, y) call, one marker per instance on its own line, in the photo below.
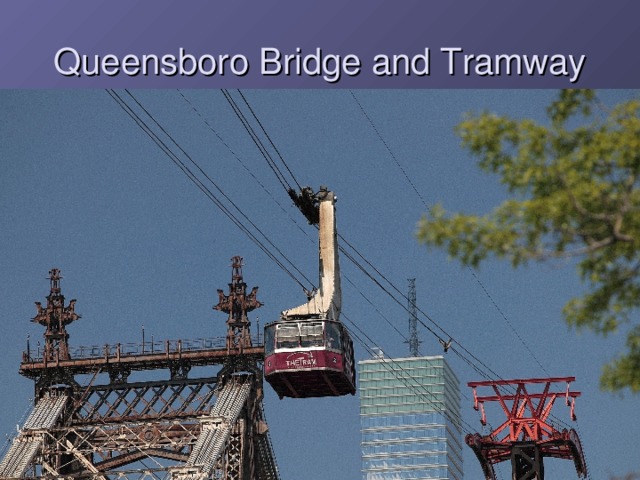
point(410, 419)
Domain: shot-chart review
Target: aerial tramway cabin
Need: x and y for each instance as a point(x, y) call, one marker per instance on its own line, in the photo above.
point(308, 351)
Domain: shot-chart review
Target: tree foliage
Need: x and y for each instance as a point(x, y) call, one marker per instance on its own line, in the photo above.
point(574, 185)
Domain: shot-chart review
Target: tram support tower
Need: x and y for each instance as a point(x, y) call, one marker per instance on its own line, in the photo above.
point(527, 436)
point(92, 421)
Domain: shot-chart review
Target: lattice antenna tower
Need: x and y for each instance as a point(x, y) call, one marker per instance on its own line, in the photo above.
point(414, 342)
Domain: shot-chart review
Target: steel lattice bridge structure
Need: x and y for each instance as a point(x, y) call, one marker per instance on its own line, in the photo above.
point(182, 428)
point(178, 428)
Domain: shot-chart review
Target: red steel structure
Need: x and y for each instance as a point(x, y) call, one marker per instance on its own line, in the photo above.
point(527, 435)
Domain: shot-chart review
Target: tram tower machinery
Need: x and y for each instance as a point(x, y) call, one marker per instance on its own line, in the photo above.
point(527, 435)
point(181, 428)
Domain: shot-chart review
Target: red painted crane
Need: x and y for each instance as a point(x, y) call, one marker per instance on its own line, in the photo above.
point(527, 435)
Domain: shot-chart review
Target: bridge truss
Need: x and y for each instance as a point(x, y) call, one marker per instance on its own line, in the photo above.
point(178, 428)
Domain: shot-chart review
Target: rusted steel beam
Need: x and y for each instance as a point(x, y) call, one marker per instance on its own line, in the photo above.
point(135, 455)
point(140, 401)
point(149, 361)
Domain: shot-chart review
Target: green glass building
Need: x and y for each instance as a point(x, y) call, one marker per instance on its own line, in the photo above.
point(409, 419)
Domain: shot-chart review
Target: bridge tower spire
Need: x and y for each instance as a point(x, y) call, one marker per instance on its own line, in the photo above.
point(55, 317)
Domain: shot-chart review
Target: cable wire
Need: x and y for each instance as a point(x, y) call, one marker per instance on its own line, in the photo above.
point(270, 141)
point(426, 205)
point(199, 183)
point(285, 184)
point(239, 160)
point(456, 420)
point(256, 140)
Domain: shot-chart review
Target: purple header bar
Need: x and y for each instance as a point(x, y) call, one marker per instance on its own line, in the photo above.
point(330, 44)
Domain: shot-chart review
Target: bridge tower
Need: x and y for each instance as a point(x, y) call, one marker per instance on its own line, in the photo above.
point(90, 421)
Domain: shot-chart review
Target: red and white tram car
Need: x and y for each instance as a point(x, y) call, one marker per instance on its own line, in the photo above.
point(308, 352)
point(309, 358)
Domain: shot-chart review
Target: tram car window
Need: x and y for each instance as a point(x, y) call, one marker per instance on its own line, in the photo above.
point(311, 335)
point(334, 340)
point(288, 336)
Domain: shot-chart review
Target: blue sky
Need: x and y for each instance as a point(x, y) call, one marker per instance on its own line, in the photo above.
point(83, 189)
